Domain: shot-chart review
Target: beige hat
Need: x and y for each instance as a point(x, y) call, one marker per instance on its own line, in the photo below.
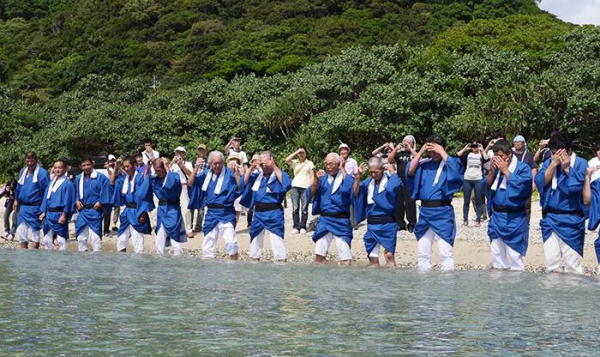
point(234, 156)
point(180, 148)
point(201, 146)
point(343, 146)
point(255, 157)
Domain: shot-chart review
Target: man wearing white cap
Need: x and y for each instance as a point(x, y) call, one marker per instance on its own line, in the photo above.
point(184, 170)
point(526, 157)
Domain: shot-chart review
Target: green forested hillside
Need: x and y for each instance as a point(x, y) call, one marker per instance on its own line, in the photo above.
point(50, 44)
point(524, 73)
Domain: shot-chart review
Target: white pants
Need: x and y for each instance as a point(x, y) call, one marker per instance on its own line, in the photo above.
point(504, 257)
point(161, 240)
point(376, 251)
point(184, 199)
point(137, 240)
point(277, 246)
point(48, 241)
point(22, 230)
point(322, 247)
point(209, 245)
point(425, 246)
point(555, 249)
point(94, 239)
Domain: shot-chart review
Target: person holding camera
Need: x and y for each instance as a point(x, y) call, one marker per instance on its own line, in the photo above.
point(402, 154)
point(383, 152)
point(302, 172)
point(9, 191)
point(472, 157)
point(234, 145)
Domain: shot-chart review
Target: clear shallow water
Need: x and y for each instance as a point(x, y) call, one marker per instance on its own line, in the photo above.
point(111, 304)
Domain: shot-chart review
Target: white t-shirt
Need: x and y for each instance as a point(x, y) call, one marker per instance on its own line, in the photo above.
point(301, 173)
point(595, 163)
point(473, 170)
point(176, 169)
point(146, 156)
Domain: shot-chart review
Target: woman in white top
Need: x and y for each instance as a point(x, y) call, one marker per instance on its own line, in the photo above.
point(473, 157)
point(301, 181)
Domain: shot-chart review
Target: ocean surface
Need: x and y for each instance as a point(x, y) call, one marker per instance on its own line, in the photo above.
point(70, 304)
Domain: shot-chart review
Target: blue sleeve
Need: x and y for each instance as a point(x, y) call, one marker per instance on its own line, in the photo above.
point(106, 191)
point(44, 180)
point(117, 200)
point(69, 197)
point(574, 181)
point(594, 211)
point(519, 184)
point(360, 202)
point(454, 178)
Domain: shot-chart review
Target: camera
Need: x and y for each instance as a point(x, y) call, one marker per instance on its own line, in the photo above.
point(473, 144)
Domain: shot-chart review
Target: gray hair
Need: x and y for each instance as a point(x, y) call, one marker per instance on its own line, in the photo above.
point(267, 153)
point(376, 162)
point(335, 156)
point(214, 154)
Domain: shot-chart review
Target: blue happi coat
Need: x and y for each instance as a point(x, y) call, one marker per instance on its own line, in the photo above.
point(226, 196)
point(30, 194)
point(594, 213)
point(96, 188)
point(384, 204)
point(270, 190)
point(62, 200)
point(136, 192)
point(333, 202)
point(168, 215)
point(566, 198)
point(511, 228)
point(440, 219)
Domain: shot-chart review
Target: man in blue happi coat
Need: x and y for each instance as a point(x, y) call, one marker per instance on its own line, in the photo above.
point(217, 188)
point(57, 207)
point(131, 191)
point(166, 186)
point(509, 184)
point(94, 193)
point(31, 186)
point(375, 201)
point(332, 191)
point(264, 190)
point(434, 181)
point(560, 184)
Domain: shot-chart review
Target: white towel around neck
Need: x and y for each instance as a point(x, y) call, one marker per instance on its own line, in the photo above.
point(55, 185)
point(260, 177)
point(371, 189)
point(127, 182)
point(24, 175)
point(511, 168)
point(554, 176)
point(337, 181)
point(439, 172)
point(93, 175)
point(209, 177)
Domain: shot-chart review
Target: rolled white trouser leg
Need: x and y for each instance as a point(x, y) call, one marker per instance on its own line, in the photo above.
point(95, 241)
point(123, 239)
point(22, 232)
point(552, 253)
point(498, 251)
point(446, 254)
point(256, 245)
point(278, 247)
point(344, 251)
point(572, 259)
point(227, 231)
point(177, 249)
point(209, 244)
point(322, 245)
point(376, 251)
point(515, 259)
point(82, 239)
point(137, 240)
point(185, 212)
point(424, 247)
point(36, 236)
point(161, 239)
point(62, 243)
point(48, 240)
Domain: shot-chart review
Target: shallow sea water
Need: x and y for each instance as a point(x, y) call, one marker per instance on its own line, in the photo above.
point(105, 304)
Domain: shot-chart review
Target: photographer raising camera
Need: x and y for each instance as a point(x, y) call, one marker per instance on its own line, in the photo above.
point(472, 157)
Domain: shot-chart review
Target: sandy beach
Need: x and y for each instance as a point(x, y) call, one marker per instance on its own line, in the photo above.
point(471, 248)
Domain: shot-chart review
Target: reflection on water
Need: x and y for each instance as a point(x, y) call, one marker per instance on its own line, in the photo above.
point(114, 304)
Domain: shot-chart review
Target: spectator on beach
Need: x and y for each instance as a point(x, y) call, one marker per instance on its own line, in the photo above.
point(525, 156)
point(235, 145)
point(10, 224)
point(595, 164)
point(201, 164)
point(332, 191)
point(149, 153)
point(265, 191)
point(472, 158)
point(217, 189)
point(401, 155)
point(302, 168)
point(31, 186)
point(375, 201)
point(560, 183)
point(434, 181)
point(509, 181)
point(383, 152)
